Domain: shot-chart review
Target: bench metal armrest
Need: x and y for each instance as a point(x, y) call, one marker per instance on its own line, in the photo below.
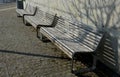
point(38, 26)
point(53, 24)
point(30, 14)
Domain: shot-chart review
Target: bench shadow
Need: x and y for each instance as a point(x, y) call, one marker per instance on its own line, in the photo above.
point(32, 54)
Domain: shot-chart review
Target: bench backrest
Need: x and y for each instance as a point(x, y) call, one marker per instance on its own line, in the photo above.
point(39, 14)
point(46, 17)
point(30, 8)
point(84, 36)
point(51, 19)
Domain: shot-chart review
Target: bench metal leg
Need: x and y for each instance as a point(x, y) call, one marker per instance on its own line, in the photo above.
point(23, 18)
point(39, 35)
point(26, 22)
point(72, 63)
point(37, 30)
point(84, 70)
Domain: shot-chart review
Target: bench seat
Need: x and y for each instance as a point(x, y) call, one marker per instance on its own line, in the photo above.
point(68, 45)
point(71, 43)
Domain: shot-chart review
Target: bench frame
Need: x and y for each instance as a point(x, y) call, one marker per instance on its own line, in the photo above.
point(24, 21)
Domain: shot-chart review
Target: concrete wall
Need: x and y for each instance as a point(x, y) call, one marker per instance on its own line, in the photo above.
point(93, 13)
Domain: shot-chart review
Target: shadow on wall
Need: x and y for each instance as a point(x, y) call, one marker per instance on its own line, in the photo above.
point(100, 13)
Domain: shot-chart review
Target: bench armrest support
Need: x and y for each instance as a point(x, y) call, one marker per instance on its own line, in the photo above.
point(53, 24)
point(30, 14)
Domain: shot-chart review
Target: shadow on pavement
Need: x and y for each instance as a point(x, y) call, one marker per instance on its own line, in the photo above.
point(32, 54)
point(101, 71)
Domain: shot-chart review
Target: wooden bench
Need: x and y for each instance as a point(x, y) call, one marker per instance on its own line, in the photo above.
point(29, 9)
point(74, 39)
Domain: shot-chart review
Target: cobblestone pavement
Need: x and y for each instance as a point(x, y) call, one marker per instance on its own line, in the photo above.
point(23, 55)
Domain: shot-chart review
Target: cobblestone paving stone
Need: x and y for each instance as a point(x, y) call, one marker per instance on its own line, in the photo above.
point(23, 55)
